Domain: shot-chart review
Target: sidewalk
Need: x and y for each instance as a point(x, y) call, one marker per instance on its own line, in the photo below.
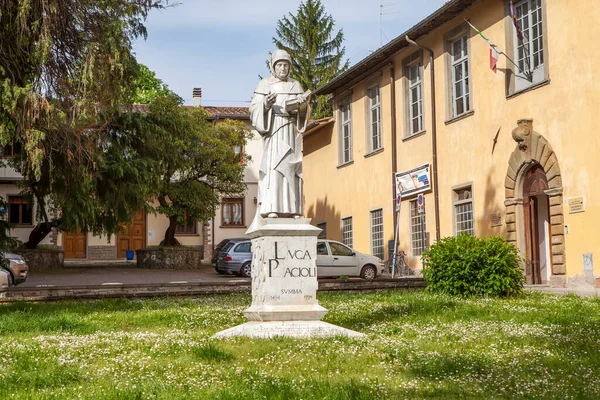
point(583, 291)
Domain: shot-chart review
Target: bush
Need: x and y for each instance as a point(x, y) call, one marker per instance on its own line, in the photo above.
point(467, 266)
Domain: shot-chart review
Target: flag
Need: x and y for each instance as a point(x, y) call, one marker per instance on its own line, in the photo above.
point(513, 15)
point(494, 56)
point(494, 50)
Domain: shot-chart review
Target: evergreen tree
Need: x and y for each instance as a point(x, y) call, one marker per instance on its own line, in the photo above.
point(316, 49)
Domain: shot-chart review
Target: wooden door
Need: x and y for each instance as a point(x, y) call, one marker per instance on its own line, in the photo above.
point(133, 237)
point(74, 245)
point(532, 239)
point(534, 188)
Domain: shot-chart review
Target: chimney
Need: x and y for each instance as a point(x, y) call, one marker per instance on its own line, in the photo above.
point(197, 95)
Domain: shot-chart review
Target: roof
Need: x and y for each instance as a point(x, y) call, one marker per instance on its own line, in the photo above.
point(379, 58)
point(222, 112)
point(214, 112)
point(316, 124)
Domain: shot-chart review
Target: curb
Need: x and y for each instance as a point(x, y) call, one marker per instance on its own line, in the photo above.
point(185, 289)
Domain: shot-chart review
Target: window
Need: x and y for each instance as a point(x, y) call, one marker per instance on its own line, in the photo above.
point(529, 52)
point(239, 153)
point(374, 118)
point(245, 247)
point(413, 68)
point(20, 211)
point(338, 249)
point(323, 227)
point(463, 211)
point(377, 233)
point(232, 212)
point(460, 76)
point(347, 232)
point(189, 227)
point(346, 130)
point(11, 149)
point(322, 249)
point(417, 229)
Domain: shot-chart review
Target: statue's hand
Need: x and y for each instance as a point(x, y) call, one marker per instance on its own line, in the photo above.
point(270, 100)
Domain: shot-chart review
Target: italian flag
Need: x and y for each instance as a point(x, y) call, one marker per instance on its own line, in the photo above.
point(494, 50)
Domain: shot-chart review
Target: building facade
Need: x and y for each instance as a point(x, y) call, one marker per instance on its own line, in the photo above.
point(509, 152)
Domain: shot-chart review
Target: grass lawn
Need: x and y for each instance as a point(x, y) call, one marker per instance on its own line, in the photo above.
point(418, 345)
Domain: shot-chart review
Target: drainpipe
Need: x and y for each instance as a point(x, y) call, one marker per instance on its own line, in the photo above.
point(394, 155)
point(434, 168)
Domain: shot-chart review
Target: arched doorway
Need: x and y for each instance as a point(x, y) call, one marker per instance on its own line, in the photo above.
point(536, 218)
point(534, 206)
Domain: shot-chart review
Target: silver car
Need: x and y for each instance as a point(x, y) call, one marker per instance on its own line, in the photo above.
point(337, 259)
point(235, 258)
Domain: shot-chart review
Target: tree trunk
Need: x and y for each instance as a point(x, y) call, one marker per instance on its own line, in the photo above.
point(169, 239)
point(40, 232)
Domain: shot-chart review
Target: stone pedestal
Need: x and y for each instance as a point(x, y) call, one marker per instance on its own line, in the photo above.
point(284, 283)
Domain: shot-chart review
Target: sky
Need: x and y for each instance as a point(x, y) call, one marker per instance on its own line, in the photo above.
point(221, 45)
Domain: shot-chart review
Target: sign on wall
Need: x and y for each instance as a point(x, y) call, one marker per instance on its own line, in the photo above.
point(576, 205)
point(415, 181)
point(496, 219)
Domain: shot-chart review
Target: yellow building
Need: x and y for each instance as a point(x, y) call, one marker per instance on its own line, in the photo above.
point(510, 153)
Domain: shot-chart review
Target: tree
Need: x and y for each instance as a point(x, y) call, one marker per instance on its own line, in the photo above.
point(316, 50)
point(66, 66)
point(148, 87)
point(193, 159)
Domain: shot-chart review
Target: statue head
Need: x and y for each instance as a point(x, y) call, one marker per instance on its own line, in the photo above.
point(281, 64)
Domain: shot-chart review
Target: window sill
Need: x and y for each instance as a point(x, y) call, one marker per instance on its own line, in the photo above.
point(374, 153)
point(529, 88)
point(345, 164)
point(461, 116)
point(413, 136)
point(232, 226)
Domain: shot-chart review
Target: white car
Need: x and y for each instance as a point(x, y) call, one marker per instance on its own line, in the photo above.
point(337, 259)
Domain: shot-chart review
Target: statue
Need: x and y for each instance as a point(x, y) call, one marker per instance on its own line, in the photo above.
point(279, 112)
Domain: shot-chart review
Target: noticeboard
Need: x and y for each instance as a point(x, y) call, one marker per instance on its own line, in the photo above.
point(576, 205)
point(415, 181)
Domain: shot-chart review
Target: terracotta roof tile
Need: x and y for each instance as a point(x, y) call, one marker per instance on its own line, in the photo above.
point(228, 112)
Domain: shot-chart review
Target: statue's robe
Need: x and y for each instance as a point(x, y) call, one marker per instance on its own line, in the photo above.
point(280, 174)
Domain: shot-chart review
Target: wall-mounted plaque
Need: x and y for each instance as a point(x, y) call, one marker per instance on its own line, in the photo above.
point(496, 219)
point(576, 205)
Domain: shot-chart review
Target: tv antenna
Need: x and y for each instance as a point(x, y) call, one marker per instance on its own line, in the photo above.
point(381, 14)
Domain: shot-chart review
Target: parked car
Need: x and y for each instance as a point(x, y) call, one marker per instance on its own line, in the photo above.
point(333, 259)
point(16, 266)
point(4, 279)
point(337, 259)
point(235, 258)
point(220, 248)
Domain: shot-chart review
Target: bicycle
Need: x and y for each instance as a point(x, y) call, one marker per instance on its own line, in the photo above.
point(401, 268)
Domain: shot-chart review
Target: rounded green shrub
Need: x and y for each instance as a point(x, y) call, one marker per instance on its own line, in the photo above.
point(465, 265)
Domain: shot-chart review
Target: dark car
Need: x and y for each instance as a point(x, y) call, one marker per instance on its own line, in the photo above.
point(235, 258)
point(222, 244)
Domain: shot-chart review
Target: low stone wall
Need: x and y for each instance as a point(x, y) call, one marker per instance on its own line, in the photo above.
point(170, 258)
point(42, 259)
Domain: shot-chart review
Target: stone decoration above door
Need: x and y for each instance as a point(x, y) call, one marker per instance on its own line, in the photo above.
point(532, 149)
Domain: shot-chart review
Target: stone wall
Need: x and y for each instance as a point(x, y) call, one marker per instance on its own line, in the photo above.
point(102, 252)
point(170, 258)
point(38, 259)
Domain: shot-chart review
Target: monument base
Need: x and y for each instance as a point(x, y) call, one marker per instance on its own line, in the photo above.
point(291, 329)
point(284, 283)
point(308, 312)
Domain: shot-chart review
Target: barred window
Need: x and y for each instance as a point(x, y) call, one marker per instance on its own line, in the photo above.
point(417, 229)
point(347, 232)
point(463, 211)
point(377, 233)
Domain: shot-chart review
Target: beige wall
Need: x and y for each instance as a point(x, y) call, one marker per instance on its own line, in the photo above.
point(564, 112)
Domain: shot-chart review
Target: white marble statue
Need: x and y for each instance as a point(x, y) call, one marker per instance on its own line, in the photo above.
point(279, 112)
